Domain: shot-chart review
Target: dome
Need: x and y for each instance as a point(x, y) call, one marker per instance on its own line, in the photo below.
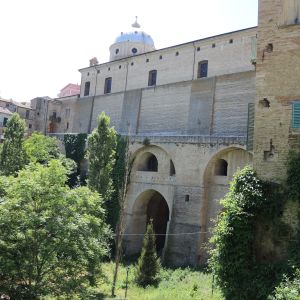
point(131, 43)
point(135, 37)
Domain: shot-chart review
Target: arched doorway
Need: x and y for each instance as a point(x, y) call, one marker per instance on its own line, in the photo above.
point(149, 205)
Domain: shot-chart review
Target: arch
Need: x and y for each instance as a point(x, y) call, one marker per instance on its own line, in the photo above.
point(221, 166)
point(148, 162)
point(150, 204)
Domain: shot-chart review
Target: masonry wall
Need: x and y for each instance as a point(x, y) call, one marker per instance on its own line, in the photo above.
point(277, 81)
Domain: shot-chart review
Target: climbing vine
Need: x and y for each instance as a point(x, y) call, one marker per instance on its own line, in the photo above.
point(75, 149)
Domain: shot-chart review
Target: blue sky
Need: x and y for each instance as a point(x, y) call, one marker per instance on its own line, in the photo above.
point(45, 42)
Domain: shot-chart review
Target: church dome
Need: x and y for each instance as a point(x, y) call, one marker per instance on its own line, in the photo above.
point(131, 43)
point(135, 36)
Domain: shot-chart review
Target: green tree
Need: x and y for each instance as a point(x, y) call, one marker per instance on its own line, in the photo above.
point(40, 148)
point(101, 156)
point(13, 157)
point(52, 238)
point(148, 267)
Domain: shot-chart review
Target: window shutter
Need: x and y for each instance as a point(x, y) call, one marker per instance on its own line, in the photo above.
point(250, 127)
point(296, 115)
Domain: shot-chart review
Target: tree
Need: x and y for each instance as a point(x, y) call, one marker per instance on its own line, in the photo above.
point(101, 155)
point(13, 157)
point(148, 266)
point(52, 238)
point(40, 148)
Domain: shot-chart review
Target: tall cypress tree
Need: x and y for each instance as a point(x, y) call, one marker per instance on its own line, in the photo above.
point(101, 152)
point(148, 267)
point(13, 156)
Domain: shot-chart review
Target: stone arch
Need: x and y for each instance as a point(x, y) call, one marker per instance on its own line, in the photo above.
point(147, 162)
point(150, 204)
point(215, 185)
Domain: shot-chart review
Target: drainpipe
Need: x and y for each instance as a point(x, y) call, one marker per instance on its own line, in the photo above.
point(93, 102)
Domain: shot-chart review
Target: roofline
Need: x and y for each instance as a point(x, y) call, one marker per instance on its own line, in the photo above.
point(177, 45)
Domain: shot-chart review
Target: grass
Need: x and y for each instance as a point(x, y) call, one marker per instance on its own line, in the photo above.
point(175, 284)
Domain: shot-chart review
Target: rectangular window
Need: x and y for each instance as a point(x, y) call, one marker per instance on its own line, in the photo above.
point(67, 112)
point(296, 115)
point(87, 88)
point(107, 85)
point(202, 69)
point(291, 12)
point(152, 78)
point(5, 121)
point(30, 126)
point(27, 114)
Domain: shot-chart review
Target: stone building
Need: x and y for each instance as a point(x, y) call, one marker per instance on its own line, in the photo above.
point(189, 112)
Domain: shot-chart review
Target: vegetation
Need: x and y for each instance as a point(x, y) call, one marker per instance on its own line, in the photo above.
point(148, 266)
point(13, 157)
point(240, 272)
point(52, 239)
point(101, 155)
point(40, 148)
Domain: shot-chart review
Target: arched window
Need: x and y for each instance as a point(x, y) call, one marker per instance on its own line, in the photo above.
point(221, 167)
point(148, 162)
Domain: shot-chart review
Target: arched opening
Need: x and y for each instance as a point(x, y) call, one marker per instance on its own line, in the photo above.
point(172, 168)
point(148, 162)
point(221, 167)
point(149, 205)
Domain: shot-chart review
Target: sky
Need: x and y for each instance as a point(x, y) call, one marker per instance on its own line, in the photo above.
point(43, 43)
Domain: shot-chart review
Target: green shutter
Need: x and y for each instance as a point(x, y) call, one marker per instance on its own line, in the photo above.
point(250, 127)
point(296, 115)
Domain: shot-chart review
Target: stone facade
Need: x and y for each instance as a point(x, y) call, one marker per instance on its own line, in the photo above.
point(277, 86)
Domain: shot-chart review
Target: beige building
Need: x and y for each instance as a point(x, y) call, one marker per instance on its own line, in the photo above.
point(189, 111)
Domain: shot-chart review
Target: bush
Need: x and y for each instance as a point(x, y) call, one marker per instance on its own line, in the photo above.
point(148, 266)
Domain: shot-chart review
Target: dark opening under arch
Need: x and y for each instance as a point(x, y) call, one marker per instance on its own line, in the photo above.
point(221, 167)
point(148, 162)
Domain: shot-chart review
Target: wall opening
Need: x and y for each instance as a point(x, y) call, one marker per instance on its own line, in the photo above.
point(172, 168)
point(221, 167)
point(148, 162)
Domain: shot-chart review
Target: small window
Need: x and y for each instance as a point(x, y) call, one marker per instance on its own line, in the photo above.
point(213, 45)
point(172, 168)
point(29, 126)
point(132, 63)
point(221, 167)
point(109, 69)
point(198, 49)
point(177, 53)
point(5, 122)
point(27, 114)
point(187, 198)
point(107, 85)
point(67, 126)
point(202, 69)
point(134, 50)
point(117, 51)
point(98, 71)
point(87, 88)
point(88, 74)
point(296, 115)
point(231, 41)
point(152, 78)
point(160, 57)
point(147, 60)
point(54, 115)
point(120, 67)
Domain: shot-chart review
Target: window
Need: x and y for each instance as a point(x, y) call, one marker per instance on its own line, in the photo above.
point(202, 69)
point(177, 53)
point(27, 114)
point(231, 41)
point(107, 85)
point(213, 45)
point(198, 48)
point(5, 121)
point(30, 126)
point(152, 78)
point(221, 167)
point(291, 12)
point(172, 168)
point(67, 112)
point(117, 51)
point(134, 50)
point(87, 88)
point(67, 126)
point(160, 57)
point(187, 198)
point(147, 60)
point(296, 115)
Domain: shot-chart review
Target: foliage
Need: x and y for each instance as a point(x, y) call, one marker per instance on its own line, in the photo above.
point(146, 141)
point(148, 267)
point(293, 178)
point(118, 175)
point(101, 156)
point(40, 148)
point(52, 238)
point(75, 150)
point(239, 272)
point(13, 157)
